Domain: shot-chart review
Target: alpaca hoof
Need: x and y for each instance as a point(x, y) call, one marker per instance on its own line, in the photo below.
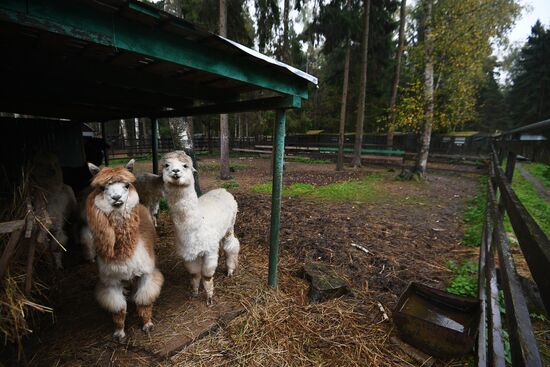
point(209, 301)
point(195, 294)
point(119, 335)
point(148, 327)
point(230, 272)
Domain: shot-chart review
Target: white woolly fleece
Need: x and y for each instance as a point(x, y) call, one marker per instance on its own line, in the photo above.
point(148, 288)
point(111, 297)
point(136, 266)
point(201, 223)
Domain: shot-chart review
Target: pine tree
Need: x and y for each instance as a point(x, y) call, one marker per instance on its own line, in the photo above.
point(529, 97)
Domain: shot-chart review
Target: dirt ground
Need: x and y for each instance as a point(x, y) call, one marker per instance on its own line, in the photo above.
point(410, 230)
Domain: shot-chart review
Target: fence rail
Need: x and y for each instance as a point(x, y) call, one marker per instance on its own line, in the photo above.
point(495, 248)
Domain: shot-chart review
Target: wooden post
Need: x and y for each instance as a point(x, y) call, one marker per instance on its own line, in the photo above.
point(278, 157)
point(154, 144)
point(105, 145)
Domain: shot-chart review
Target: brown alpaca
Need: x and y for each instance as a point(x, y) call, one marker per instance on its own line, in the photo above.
point(124, 237)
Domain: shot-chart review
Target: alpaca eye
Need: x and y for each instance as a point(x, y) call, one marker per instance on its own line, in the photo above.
point(127, 185)
point(102, 188)
point(166, 165)
point(185, 166)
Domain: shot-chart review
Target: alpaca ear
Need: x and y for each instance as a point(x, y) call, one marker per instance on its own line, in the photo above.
point(93, 169)
point(194, 170)
point(130, 165)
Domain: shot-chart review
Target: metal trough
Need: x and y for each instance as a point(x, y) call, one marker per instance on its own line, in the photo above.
point(437, 322)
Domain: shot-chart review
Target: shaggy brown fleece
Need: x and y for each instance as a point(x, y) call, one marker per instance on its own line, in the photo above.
point(112, 174)
point(116, 236)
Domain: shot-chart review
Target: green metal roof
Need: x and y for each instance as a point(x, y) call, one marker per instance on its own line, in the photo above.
point(111, 59)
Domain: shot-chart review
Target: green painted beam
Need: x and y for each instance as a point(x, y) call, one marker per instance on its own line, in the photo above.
point(276, 194)
point(262, 104)
point(76, 20)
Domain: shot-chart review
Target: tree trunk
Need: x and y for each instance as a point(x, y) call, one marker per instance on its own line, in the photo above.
point(393, 100)
point(362, 91)
point(424, 148)
point(224, 120)
point(209, 137)
point(286, 51)
point(340, 160)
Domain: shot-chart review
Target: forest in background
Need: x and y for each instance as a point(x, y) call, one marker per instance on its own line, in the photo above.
point(467, 94)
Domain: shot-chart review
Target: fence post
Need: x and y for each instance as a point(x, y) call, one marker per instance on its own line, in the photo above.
point(105, 145)
point(154, 144)
point(510, 165)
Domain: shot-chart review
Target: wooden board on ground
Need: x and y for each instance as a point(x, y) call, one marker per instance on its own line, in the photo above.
point(179, 321)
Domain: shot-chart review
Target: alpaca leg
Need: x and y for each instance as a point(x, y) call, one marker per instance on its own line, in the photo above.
point(111, 297)
point(209, 265)
point(155, 213)
point(146, 313)
point(148, 290)
point(194, 268)
point(231, 247)
point(87, 242)
point(118, 320)
point(56, 250)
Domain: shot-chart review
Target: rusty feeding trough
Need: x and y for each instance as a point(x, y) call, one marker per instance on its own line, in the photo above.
point(437, 322)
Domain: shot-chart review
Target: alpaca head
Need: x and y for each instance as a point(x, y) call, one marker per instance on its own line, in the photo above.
point(178, 169)
point(115, 187)
point(46, 171)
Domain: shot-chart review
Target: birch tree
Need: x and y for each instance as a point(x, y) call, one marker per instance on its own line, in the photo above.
point(356, 162)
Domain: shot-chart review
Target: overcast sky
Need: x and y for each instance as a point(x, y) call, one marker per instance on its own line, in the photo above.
point(534, 9)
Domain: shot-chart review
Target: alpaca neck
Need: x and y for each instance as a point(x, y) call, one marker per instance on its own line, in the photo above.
point(183, 200)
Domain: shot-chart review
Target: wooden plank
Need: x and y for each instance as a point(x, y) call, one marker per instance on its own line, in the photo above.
point(534, 244)
point(9, 251)
point(204, 328)
point(496, 344)
point(8, 227)
point(523, 343)
point(482, 339)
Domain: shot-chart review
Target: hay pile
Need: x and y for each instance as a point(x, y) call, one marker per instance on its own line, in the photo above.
point(17, 307)
point(280, 328)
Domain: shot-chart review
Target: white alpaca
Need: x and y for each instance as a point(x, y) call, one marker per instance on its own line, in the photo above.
point(124, 238)
point(201, 224)
point(60, 200)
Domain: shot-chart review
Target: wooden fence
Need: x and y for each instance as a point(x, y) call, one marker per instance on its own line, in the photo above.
point(495, 249)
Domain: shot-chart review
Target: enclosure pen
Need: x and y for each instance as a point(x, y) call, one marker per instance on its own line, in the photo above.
point(115, 60)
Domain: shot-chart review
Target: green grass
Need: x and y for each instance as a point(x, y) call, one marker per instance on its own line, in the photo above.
point(307, 160)
point(464, 281)
point(364, 190)
point(474, 216)
point(231, 184)
point(540, 171)
point(163, 205)
point(537, 207)
point(118, 161)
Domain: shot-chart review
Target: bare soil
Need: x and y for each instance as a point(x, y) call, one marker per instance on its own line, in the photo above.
point(410, 230)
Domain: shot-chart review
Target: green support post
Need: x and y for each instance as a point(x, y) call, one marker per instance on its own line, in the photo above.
point(278, 158)
point(155, 144)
